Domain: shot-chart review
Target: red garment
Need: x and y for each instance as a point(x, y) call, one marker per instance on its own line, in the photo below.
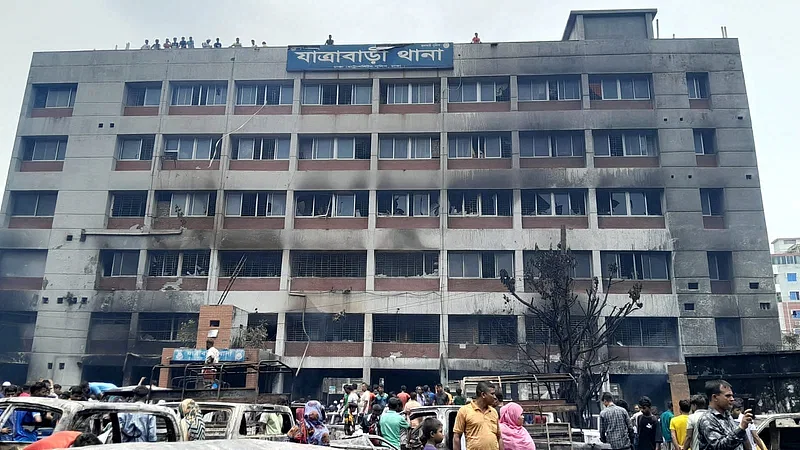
point(403, 396)
point(24, 394)
point(61, 439)
point(476, 40)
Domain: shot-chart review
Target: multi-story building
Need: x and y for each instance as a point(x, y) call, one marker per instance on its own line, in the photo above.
point(785, 267)
point(361, 202)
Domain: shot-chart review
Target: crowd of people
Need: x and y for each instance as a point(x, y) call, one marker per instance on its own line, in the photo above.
point(715, 420)
point(184, 43)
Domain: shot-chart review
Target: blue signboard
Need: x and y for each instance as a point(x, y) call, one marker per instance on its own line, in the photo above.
point(196, 354)
point(369, 57)
point(795, 314)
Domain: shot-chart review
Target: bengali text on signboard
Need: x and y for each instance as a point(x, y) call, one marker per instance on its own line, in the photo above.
point(370, 57)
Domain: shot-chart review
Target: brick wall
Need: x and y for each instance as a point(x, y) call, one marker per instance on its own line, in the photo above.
point(222, 313)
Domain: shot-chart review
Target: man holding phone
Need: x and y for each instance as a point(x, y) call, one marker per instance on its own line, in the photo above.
point(717, 429)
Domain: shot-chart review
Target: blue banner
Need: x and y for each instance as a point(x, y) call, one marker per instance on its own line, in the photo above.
point(196, 354)
point(369, 57)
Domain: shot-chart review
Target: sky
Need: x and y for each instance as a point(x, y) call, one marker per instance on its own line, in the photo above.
point(768, 50)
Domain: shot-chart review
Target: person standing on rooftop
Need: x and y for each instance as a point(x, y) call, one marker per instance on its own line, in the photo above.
point(175, 43)
point(167, 44)
point(190, 42)
point(218, 44)
point(182, 43)
point(330, 40)
point(476, 39)
point(155, 46)
point(236, 44)
point(207, 43)
point(146, 45)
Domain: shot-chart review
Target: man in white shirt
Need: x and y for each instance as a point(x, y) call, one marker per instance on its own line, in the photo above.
point(212, 354)
point(699, 404)
point(146, 45)
point(365, 401)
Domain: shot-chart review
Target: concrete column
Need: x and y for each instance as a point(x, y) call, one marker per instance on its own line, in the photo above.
point(522, 334)
point(579, 30)
point(519, 270)
point(444, 338)
point(213, 274)
point(367, 362)
point(376, 95)
point(588, 139)
point(515, 149)
point(445, 94)
point(516, 209)
point(597, 269)
point(294, 154)
point(443, 156)
point(591, 207)
point(297, 92)
point(371, 261)
point(374, 146)
point(280, 334)
point(133, 331)
point(514, 93)
point(286, 270)
point(585, 90)
point(141, 271)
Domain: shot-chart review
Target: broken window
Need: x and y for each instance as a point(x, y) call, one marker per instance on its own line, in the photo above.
point(711, 202)
point(408, 204)
point(250, 264)
point(324, 204)
point(181, 327)
point(704, 142)
point(627, 143)
point(636, 265)
point(255, 204)
point(582, 268)
point(33, 203)
point(163, 263)
point(543, 203)
point(128, 204)
point(406, 328)
point(22, 263)
point(697, 83)
point(619, 87)
point(44, 149)
point(729, 334)
point(186, 204)
point(329, 264)
point(320, 327)
point(16, 330)
point(406, 264)
point(479, 146)
point(538, 333)
point(260, 148)
point(119, 263)
point(567, 87)
point(480, 329)
point(479, 264)
point(483, 90)
point(629, 203)
point(480, 203)
point(646, 332)
point(719, 266)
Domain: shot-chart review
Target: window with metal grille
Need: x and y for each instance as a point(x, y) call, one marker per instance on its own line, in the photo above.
point(195, 263)
point(119, 263)
point(136, 148)
point(472, 203)
point(258, 94)
point(625, 143)
point(582, 268)
point(479, 264)
point(704, 141)
point(255, 204)
point(199, 94)
point(408, 203)
point(408, 147)
point(337, 94)
point(406, 264)
point(566, 87)
point(636, 265)
point(331, 204)
point(179, 327)
point(719, 265)
point(473, 146)
point(538, 333)
point(143, 94)
point(329, 264)
point(128, 204)
point(546, 203)
point(711, 202)
point(548, 144)
point(646, 332)
point(324, 327)
point(260, 148)
point(44, 149)
point(162, 263)
point(481, 329)
point(33, 203)
point(201, 148)
point(399, 93)
point(645, 202)
point(619, 87)
point(54, 96)
point(186, 204)
point(334, 147)
point(252, 264)
point(405, 328)
point(466, 90)
point(697, 83)
point(267, 322)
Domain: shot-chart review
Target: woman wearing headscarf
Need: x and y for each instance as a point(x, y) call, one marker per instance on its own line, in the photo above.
point(193, 428)
point(515, 436)
point(311, 428)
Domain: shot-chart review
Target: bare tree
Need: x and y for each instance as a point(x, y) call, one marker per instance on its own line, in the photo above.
point(575, 330)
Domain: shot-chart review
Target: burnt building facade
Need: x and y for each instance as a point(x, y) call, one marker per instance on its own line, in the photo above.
point(361, 201)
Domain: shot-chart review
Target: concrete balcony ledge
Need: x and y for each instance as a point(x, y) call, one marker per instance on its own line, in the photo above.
point(629, 222)
point(328, 349)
